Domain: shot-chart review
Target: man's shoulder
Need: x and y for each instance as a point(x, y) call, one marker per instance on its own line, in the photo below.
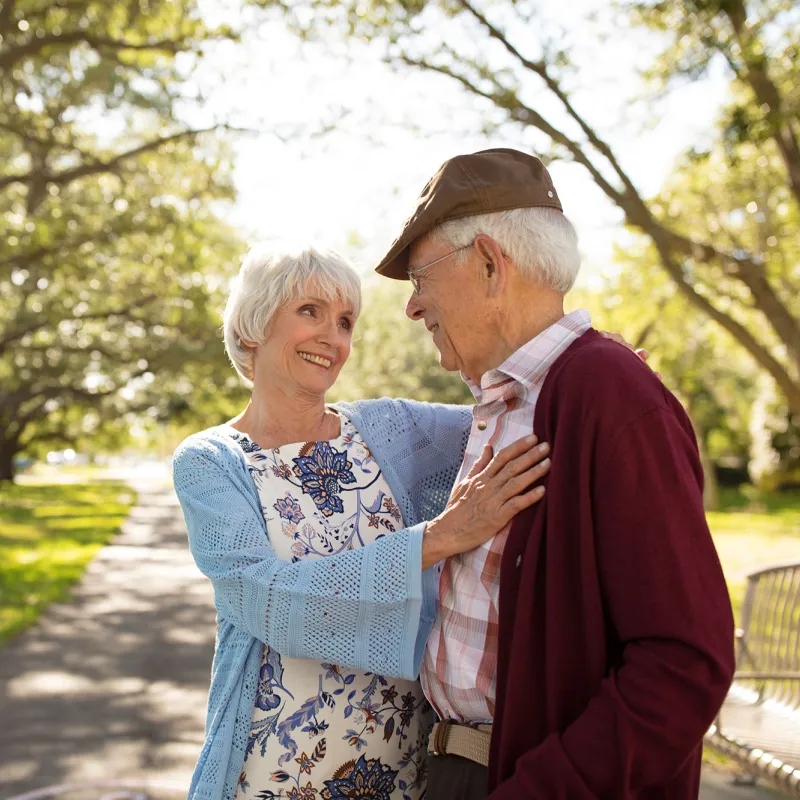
point(608, 377)
point(601, 390)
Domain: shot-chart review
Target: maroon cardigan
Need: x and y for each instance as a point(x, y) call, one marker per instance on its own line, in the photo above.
point(616, 633)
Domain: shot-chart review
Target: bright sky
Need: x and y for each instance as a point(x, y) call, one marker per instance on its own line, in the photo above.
point(352, 187)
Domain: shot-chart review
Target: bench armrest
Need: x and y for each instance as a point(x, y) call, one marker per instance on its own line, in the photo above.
point(744, 675)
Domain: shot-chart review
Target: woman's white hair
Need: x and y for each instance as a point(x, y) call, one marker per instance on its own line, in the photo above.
point(269, 279)
point(541, 242)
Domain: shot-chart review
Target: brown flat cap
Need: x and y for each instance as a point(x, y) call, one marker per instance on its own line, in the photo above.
point(478, 183)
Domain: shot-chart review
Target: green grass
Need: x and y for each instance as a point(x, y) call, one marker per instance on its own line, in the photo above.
point(753, 530)
point(48, 534)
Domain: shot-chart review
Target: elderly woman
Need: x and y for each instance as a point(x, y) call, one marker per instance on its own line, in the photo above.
point(310, 521)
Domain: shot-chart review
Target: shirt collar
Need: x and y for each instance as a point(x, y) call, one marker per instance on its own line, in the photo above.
point(530, 363)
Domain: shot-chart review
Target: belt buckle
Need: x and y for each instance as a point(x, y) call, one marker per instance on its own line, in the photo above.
point(440, 739)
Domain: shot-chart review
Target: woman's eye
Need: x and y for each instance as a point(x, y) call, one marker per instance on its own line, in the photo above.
point(308, 310)
point(345, 323)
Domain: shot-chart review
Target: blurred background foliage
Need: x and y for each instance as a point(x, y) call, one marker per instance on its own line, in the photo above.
point(113, 252)
point(114, 191)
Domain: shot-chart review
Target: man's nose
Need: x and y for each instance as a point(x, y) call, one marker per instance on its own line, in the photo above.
point(414, 308)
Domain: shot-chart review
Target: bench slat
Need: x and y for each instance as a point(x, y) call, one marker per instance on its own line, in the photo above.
point(759, 723)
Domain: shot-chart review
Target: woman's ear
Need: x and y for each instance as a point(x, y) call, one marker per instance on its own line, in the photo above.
point(494, 267)
point(247, 343)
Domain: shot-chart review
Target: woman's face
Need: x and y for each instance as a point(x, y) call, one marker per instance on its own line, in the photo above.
point(308, 343)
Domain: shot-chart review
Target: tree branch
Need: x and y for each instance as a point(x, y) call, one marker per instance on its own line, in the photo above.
point(23, 259)
point(766, 92)
point(746, 270)
point(640, 339)
point(53, 435)
point(99, 166)
point(524, 115)
point(6, 10)
point(35, 45)
point(74, 350)
point(743, 268)
point(760, 353)
point(42, 393)
point(18, 333)
point(540, 68)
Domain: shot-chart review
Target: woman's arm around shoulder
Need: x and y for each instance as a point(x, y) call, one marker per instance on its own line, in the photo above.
point(443, 425)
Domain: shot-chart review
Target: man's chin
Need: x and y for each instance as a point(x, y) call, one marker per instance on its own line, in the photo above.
point(447, 362)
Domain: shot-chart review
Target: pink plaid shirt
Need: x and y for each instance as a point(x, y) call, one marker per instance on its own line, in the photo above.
point(459, 669)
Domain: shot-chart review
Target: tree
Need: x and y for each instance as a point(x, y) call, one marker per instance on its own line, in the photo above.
point(111, 253)
point(745, 281)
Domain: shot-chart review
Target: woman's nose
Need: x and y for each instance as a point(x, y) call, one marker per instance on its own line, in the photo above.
point(327, 333)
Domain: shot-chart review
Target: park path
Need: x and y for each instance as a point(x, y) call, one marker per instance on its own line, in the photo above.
point(112, 685)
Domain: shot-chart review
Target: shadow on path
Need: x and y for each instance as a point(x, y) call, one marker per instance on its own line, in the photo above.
point(113, 684)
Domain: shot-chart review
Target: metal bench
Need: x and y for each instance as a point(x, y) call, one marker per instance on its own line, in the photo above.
point(759, 723)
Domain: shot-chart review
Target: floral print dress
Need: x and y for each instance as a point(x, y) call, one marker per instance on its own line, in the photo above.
point(318, 731)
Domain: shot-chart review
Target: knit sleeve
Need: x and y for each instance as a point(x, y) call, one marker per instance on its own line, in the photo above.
point(360, 609)
point(440, 434)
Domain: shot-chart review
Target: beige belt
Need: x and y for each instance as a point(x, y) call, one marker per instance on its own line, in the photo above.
point(468, 741)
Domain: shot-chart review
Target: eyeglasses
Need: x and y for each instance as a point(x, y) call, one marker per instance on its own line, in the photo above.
point(412, 273)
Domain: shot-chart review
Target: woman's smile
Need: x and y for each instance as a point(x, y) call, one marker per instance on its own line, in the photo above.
point(320, 361)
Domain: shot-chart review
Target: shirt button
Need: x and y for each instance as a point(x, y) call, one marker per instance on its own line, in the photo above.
point(519, 560)
point(481, 426)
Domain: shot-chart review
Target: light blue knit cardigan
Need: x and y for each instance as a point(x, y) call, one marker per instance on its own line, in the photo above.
point(370, 609)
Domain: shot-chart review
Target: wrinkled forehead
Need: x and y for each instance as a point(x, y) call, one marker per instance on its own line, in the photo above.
point(424, 249)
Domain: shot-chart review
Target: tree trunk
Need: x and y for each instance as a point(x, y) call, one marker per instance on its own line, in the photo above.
point(711, 485)
point(7, 452)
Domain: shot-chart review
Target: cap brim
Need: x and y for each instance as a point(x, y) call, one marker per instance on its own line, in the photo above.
point(395, 263)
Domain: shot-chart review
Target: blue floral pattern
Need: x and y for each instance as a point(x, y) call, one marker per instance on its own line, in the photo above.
point(320, 732)
point(368, 779)
point(321, 475)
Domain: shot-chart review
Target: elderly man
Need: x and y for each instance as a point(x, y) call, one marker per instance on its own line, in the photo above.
point(584, 650)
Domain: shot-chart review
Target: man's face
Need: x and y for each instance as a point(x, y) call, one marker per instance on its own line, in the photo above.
point(450, 303)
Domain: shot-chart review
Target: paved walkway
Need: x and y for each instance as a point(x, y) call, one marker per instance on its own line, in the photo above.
point(113, 684)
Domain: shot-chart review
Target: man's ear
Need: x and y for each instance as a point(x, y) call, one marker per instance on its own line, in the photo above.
point(494, 269)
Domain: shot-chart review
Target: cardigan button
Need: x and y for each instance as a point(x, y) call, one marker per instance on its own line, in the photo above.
point(481, 426)
point(519, 560)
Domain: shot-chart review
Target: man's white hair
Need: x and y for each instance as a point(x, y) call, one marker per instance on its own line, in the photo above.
point(541, 242)
point(269, 279)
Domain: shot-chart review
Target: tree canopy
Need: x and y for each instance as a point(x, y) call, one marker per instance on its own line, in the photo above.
point(729, 245)
point(113, 253)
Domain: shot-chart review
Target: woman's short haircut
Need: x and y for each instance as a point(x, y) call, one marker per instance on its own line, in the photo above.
point(268, 280)
point(541, 242)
